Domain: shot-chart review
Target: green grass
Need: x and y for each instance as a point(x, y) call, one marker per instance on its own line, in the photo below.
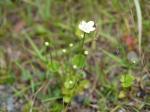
point(40, 75)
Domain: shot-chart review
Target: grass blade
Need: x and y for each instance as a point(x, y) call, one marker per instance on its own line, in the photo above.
point(139, 18)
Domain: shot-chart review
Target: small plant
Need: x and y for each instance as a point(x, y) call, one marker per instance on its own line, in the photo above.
point(72, 78)
point(127, 80)
point(75, 83)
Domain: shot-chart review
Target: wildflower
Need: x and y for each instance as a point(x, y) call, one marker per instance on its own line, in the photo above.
point(64, 50)
point(86, 52)
point(87, 27)
point(46, 43)
point(74, 66)
point(70, 82)
point(71, 44)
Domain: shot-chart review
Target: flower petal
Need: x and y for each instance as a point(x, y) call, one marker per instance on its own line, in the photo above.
point(87, 27)
point(91, 23)
point(82, 25)
point(92, 28)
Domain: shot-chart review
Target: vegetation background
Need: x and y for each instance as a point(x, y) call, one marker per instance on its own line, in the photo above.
point(116, 77)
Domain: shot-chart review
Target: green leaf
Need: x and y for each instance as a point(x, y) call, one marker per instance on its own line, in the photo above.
point(79, 60)
point(40, 29)
point(69, 84)
point(56, 107)
point(84, 84)
point(53, 66)
point(67, 99)
point(127, 80)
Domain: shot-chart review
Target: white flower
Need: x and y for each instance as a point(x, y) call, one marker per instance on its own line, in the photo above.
point(74, 66)
point(64, 50)
point(71, 44)
point(87, 27)
point(86, 52)
point(46, 43)
point(70, 82)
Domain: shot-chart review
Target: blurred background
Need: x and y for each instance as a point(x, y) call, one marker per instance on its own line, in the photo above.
point(27, 85)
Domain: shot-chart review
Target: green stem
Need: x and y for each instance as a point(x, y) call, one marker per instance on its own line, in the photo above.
point(51, 58)
point(83, 41)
